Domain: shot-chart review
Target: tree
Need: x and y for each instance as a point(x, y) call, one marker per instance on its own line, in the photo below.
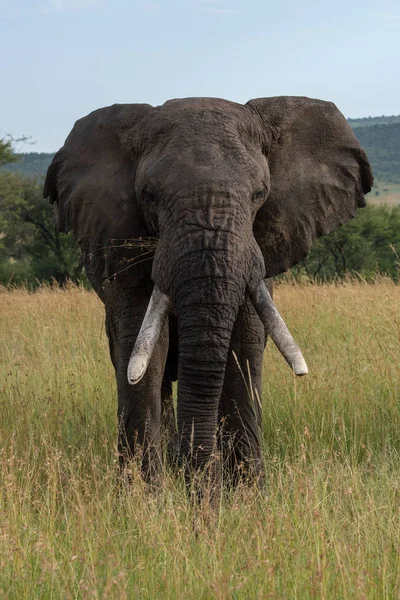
point(6, 152)
point(31, 248)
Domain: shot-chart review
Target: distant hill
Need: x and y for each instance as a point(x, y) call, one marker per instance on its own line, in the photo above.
point(380, 136)
point(30, 164)
point(382, 144)
point(368, 121)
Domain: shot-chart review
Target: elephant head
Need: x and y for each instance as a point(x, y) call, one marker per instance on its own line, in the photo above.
point(233, 193)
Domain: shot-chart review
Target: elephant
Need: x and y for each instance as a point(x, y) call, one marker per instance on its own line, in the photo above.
point(183, 213)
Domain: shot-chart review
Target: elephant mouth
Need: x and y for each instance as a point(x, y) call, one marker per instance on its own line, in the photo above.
point(157, 312)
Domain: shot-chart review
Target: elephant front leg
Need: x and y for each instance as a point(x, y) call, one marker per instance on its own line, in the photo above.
point(139, 425)
point(140, 413)
point(240, 412)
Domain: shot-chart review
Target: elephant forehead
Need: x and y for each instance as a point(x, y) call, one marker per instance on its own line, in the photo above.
point(197, 145)
point(208, 154)
point(204, 167)
point(202, 121)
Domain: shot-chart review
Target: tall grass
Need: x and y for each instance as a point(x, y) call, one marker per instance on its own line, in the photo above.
point(330, 526)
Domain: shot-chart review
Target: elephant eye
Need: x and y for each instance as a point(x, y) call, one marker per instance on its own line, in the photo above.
point(258, 195)
point(150, 196)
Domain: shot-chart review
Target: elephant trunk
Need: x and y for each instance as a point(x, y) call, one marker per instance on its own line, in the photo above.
point(206, 276)
point(206, 316)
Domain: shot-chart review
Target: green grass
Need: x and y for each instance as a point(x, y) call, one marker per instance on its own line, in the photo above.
point(330, 527)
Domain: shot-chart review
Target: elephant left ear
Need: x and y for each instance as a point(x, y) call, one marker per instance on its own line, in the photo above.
point(319, 175)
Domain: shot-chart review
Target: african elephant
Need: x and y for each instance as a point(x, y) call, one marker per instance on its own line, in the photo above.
point(182, 211)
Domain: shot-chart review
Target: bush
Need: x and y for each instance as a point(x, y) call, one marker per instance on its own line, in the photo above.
point(366, 246)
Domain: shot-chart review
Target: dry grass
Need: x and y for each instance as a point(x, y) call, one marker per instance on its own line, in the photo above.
point(330, 526)
point(389, 193)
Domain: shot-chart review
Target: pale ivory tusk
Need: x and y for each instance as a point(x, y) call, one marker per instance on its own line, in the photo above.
point(277, 329)
point(149, 333)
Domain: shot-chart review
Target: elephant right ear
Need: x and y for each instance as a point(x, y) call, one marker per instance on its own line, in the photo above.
point(319, 175)
point(91, 178)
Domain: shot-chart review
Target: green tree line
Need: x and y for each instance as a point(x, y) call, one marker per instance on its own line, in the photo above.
point(366, 246)
point(32, 251)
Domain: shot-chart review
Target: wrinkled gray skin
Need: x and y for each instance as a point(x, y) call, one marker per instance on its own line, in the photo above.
point(233, 193)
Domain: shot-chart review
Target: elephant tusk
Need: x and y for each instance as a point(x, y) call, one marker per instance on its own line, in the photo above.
point(277, 329)
point(149, 333)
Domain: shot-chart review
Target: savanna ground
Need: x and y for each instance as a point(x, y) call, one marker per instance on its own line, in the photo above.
point(385, 193)
point(330, 526)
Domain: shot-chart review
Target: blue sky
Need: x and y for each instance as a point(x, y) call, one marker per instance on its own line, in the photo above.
point(60, 59)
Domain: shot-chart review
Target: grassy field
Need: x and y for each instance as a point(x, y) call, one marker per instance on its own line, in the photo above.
point(330, 527)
